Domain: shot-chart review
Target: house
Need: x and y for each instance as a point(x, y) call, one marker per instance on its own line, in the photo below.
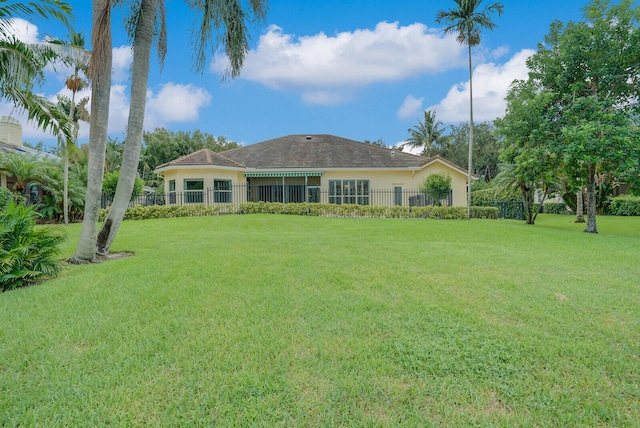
point(11, 142)
point(307, 168)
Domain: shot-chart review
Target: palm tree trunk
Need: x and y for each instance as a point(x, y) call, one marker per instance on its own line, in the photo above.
point(591, 199)
point(133, 143)
point(101, 62)
point(470, 166)
point(65, 196)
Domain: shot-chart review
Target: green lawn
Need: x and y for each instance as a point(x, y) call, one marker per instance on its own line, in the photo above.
point(267, 320)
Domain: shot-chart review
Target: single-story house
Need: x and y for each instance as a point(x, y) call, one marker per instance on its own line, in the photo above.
point(312, 168)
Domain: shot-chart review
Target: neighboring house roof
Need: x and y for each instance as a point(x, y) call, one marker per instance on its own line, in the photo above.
point(303, 151)
point(26, 151)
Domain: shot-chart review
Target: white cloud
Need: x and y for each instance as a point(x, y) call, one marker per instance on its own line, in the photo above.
point(23, 30)
point(176, 103)
point(349, 59)
point(326, 97)
point(490, 84)
point(122, 60)
point(410, 107)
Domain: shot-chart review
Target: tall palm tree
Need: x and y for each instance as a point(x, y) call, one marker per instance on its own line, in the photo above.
point(22, 64)
point(75, 83)
point(225, 16)
point(100, 75)
point(467, 20)
point(427, 133)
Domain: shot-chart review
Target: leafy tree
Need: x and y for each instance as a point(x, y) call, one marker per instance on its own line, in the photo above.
point(379, 142)
point(486, 148)
point(528, 164)
point(437, 186)
point(110, 182)
point(162, 146)
point(588, 73)
point(427, 133)
point(467, 20)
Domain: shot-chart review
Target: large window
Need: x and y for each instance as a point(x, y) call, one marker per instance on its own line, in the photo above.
point(349, 192)
point(193, 191)
point(222, 191)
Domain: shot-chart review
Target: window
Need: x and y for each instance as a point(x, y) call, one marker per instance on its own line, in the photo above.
point(397, 195)
point(222, 191)
point(172, 192)
point(193, 191)
point(349, 192)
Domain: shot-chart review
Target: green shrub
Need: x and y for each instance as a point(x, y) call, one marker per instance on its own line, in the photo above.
point(437, 186)
point(626, 205)
point(5, 197)
point(27, 253)
point(556, 208)
point(483, 197)
point(110, 182)
point(140, 212)
point(487, 197)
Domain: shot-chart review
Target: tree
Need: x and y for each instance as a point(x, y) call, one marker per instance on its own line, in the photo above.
point(468, 22)
point(486, 148)
point(25, 169)
point(147, 16)
point(100, 74)
point(437, 186)
point(426, 134)
point(162, 146)
point(74, 83)
point(527, 129)
point(589, 71)
point(22, 64)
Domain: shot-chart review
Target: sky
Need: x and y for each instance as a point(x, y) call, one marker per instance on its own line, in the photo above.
point(364, 70)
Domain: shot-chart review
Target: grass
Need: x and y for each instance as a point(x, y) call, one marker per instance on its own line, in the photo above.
point(267, 320)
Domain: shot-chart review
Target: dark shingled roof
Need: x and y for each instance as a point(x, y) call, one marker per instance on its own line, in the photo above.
point(203, 157)
point(305, 151)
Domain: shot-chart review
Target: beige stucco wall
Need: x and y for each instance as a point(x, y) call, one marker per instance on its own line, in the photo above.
point(378, 179)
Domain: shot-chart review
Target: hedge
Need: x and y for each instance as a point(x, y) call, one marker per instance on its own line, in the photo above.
point(556, 208)
point(625, 205)
point(140, 212)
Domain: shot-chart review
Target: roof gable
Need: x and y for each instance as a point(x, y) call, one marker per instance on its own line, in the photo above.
point(202, 157)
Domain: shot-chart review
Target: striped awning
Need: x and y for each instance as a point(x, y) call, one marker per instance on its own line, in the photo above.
point(284, 174)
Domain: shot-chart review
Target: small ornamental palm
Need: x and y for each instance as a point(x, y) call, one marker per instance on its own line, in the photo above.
point(27, 253)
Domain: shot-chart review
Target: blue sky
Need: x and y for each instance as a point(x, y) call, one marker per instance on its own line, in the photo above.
point(358, 69)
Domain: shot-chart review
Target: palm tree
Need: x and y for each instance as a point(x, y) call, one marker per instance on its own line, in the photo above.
point(24, 168)
point(227, 16)
point(100, 75)
point(22, 65)
point(427, 133)
point(74, 83)
point(468, 21)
